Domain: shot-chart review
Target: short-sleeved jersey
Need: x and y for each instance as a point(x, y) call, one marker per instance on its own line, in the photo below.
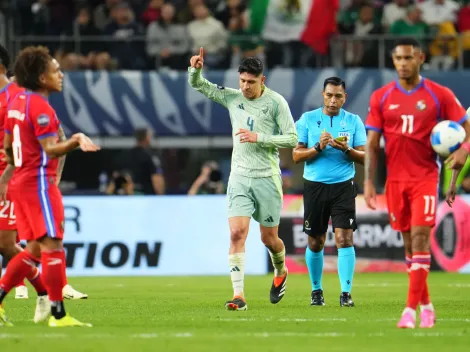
point(269, 116)
point(29, 119)
point(7, 94)
point(331, 165)
point(406, 120)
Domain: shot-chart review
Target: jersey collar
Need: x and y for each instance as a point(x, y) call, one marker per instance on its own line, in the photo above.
point(420, 84)
point(5, 88)
point(29, 92)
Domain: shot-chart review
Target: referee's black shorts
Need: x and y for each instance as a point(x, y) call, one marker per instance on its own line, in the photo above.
point(322, 200)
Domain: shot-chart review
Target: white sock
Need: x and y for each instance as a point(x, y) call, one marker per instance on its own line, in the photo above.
point(409, 310)
point(236, 263)
point(427, 307)
point(279, 262)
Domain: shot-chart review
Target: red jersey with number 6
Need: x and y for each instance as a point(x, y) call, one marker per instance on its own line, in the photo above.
point(406, 119)
point(30, 118)
point(6, 96)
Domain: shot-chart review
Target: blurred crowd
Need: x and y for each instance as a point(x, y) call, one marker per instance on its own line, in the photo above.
point(152, 34)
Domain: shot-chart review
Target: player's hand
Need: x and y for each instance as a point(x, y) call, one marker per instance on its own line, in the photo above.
point(457, 159)
point(370, 195)
point(452, 190)
point(339, 145)
point(197, 61)
point(247, 136)
point(450, 196)
point(85, 143)
point(325, 139)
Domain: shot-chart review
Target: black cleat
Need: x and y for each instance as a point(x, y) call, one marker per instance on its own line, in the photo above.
point(277, 292)
point(237, 303)
point(345, 300)
point(317, 298)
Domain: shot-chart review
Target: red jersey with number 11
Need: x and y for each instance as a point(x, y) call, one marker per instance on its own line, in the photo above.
point(29, 119)
point(406, 119)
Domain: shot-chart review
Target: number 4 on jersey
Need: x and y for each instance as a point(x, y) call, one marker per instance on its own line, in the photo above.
point(250, 122)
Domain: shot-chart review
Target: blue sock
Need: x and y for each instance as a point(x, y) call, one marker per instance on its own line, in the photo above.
point(346, 263)
point(315, 268)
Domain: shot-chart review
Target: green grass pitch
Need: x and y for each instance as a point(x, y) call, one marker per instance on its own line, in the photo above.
point(187, 314)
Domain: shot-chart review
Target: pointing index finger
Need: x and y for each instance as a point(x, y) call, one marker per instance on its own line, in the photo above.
point(201, 53)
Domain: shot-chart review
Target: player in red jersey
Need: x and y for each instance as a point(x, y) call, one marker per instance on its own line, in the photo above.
point(8, 234)
point(32, 148)
point(405, 111)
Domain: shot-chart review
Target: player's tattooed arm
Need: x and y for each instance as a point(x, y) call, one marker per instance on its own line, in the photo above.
point(60, 168)
point(301, 153)
point(9, 170)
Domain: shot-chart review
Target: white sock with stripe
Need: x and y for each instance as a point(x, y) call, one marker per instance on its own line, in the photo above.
point(279, 262)
point(236, 263)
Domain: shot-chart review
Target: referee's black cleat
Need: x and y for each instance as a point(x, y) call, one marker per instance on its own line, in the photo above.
point(236, 303)
point(345, 300)
point(317, 298)
point(278, 288)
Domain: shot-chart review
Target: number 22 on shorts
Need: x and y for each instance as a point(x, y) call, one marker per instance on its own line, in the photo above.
point(250, 122)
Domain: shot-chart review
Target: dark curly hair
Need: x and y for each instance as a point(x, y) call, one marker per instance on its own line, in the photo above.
point(30, 64)
point(4, 57)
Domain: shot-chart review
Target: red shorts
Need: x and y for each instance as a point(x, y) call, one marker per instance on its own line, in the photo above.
point(7, 214)
point(39, 214)
point(411, 204)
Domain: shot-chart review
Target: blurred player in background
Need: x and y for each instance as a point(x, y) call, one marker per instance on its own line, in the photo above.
point(32, 147)
point(405, 111)
point(262, 122)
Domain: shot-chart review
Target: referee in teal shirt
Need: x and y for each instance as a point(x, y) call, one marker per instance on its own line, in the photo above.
point(331, 140)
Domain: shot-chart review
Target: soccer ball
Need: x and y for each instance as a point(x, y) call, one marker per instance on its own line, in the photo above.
point(446, 137)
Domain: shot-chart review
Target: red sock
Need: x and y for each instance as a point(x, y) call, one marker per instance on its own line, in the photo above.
point(35, 279)
point(18, 268)
point(418, 274)
point(425, 299)
point(53, 272)
point(65, 268)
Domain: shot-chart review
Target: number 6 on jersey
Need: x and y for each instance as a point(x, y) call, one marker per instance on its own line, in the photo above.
point(16, 145)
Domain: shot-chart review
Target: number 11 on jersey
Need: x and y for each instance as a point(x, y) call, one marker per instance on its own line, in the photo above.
point(407, 123)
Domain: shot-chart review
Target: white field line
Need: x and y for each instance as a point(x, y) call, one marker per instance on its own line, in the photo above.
point(332, 334)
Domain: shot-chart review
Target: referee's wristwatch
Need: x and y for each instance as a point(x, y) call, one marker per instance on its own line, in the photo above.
point(317, 147)
point(347, 150)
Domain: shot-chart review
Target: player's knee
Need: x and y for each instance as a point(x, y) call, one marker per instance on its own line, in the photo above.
point(344, 238)
point(269, 238)
point(7, 245)
point(420, 241)
point(33, 248)
point(238, 234)
point(316, 243)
